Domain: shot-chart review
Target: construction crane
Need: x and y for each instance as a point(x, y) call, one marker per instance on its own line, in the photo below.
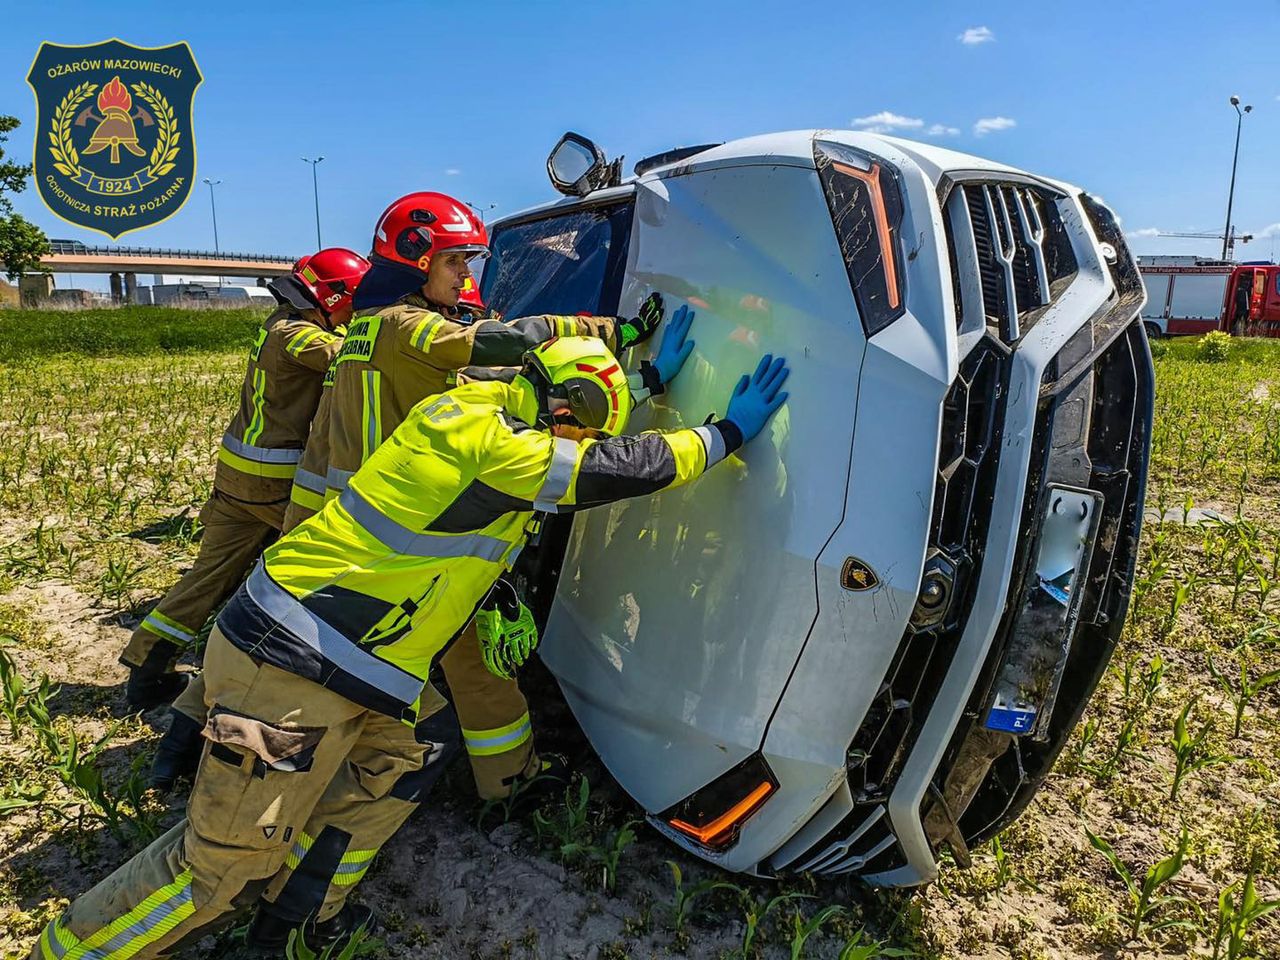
point(1231, 240)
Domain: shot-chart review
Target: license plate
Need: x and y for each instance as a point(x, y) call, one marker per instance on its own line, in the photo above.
point(1027, 684)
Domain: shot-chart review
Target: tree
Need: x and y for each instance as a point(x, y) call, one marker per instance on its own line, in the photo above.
point(22, 243)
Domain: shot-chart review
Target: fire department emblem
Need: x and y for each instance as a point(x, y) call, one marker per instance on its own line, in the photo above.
point(115, 149)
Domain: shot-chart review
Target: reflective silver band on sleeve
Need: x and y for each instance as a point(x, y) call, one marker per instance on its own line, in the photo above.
point(309, 481)
point(714, 442)
point(260, 454)
point(559, 476)
point(338, 479)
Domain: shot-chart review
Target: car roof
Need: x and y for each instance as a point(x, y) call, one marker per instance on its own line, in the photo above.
point(793, 148)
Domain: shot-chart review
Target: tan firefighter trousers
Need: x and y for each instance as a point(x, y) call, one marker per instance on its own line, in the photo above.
point(235, 534)
point(298, 789)
point(494, 714)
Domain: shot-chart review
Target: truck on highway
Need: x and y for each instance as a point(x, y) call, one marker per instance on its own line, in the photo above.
point(1186, 295)
point(867, 637)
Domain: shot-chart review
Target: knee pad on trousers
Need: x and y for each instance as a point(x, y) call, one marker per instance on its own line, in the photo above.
point(441, 730)
point(314, 868)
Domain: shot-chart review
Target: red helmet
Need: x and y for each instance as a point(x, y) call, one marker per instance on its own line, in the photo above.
point(330, 277)
point(419, 225)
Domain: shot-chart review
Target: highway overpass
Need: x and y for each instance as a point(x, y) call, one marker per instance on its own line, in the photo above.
point(123, 264)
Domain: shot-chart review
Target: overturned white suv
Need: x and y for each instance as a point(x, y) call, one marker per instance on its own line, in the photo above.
point(871, 634)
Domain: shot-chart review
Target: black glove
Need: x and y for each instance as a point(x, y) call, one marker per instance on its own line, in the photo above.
point(639, 329)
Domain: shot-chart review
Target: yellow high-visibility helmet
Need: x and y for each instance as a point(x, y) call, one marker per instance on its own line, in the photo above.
point(579, 377)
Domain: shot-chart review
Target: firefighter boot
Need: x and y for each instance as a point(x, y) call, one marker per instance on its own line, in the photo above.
point(178, 754)
point(154, 681)
point(547, 775)
point(269, 932)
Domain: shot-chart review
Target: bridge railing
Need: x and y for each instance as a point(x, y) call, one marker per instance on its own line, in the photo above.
point(74, 248)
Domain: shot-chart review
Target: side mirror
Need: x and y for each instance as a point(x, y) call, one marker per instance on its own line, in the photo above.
point(577, 166)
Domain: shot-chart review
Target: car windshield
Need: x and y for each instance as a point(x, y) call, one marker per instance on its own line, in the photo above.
point(566, 264)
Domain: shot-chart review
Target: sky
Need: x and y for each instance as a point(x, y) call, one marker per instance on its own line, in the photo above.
point(1128, 100)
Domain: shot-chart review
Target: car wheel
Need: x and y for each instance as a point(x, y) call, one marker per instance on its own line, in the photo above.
point(1153, 330)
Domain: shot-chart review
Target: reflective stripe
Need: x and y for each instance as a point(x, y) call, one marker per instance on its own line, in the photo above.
point(356, 861)
point(254, 430)
point(309, 481)
point(144, 924)
point(559, 476)
point(372, 413)
point(306, 499)
point(341, 879)
point(56, 940)
point(157, 623)
point(280, 471)
point(409, 542)
point(336, 479)
point(713, 440)
point(284, 608)
point(565, 326)
point(424, 334)
point(298, 850)
point(490, 743)
point(304, 339)
point(353, 865)
point(260, 454)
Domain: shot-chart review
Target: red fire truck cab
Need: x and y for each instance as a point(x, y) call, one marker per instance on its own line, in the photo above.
point(1191, 296)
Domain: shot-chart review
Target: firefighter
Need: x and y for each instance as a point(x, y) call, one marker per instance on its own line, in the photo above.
point(418, 320)
point(407, 341)
point(317, 668)
point(256, 463)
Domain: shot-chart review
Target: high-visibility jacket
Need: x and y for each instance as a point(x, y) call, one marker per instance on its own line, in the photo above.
point(265, 439)
point(366, 594)
point(399, 354)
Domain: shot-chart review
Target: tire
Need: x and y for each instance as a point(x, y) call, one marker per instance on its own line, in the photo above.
point(1153, 330)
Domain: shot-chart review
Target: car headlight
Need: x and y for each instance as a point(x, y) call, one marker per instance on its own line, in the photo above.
point(865, 197)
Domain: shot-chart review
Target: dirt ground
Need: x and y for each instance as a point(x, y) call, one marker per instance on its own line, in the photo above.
point(92, 531)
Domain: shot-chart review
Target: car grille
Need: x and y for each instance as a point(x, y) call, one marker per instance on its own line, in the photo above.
point(973, 420)
point(1014, 235)
point(1104, 369)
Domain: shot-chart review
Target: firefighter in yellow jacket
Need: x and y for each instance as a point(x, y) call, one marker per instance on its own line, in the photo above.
point(256, 463)
point(317, 669)
point(406, 342)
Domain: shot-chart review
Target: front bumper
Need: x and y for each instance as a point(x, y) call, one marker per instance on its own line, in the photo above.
point(1070, 402)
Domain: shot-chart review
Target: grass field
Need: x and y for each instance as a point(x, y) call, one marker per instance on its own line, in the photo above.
point(1157, 835)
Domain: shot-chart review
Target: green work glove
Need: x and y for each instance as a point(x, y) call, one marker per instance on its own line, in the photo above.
point(506, 630)
point(639, 329)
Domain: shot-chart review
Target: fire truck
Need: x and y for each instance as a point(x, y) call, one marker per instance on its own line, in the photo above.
point(1189, 295)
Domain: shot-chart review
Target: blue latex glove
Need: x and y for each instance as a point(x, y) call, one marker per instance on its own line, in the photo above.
point(756, 397)
point(675, 348)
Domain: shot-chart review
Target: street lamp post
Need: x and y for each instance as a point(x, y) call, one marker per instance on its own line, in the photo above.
point(214, 210)
point(1231, 194)
point(315, 189)
point(481, 209)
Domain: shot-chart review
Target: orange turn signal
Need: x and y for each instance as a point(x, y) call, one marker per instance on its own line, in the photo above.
point(872, 179)
point(724, 827)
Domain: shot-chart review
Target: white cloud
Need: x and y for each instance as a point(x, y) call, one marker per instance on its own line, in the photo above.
point(1270, 230)
point(887, 122)
point(941, 130)
point(452, 172)
point(992, 124)
point(976, 35)
point(1143, 233)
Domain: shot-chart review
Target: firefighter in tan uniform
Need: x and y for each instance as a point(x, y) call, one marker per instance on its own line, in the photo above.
point(406, 342)
point(418, 321)
point(317, 668)
point(256, 463)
